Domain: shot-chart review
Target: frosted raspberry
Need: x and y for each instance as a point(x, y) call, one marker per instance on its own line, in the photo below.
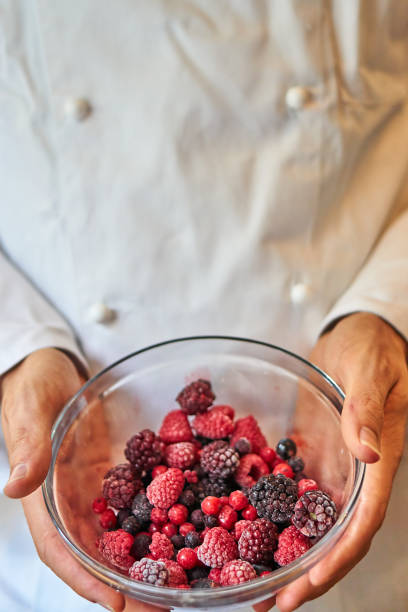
point(165, 489)
point(249, 428)
point(150, 571)
point(218, 547)
point(196, 397)
point(215, 574)
point(180, 455)
point(219, 459)
point(225, 409)
point(143, 450)
point(115, 547)
point(120, 485)
point(190, 476)
point(175, 428)
point(214, 425)
point(251, 468)
point(235, 572)
point(239, 527)
point(291, 545)
point(258, 542)
point(177, 575)
point(314, 514)
point(161, 547)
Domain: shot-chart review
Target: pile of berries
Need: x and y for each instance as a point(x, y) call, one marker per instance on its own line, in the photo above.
point(206, 502)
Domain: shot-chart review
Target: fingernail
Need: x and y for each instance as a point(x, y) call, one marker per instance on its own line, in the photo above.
point(19, 471)
point(369, 438)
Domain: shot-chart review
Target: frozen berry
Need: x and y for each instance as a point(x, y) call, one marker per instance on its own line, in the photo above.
point(306, 484)
point(131, 525)
point(178, 514)
point(274, 497)
point(239, 528)
point(236, 572)
point(143, 450)
point(177, 576)
point(115, 547)
point(201, 571)
point(196, 397)
point(216, 487)
point(291, 545)
point(286, 448)
point(248, 427)
point(249, 513)
point(219, 459)
point(142, 508)
point(122, 515)
point(191, 476)
point(314, 514)
point(175, 428)
point(180, 455)
point(186, 528)
point(203, 583)
point(210, 521)
point(187, 498)
point(178, 541)
point(227, 517)
point(238, 500)
point(211, 505)
point(169, 529)
point(120, 485)
point(140, 547)
point(243, 446)
point(158, 516)
point(153, 528)
point(283, 468)
point(192, 539)
point(197, 518)
point(213, 425)
point(150, 571)
point(251, 468)
point(107, 519)
point(218, 548)
point(165, 489)
point(99, 505)
point(268, 454)
point(161, 546)
point(258, 542)
point(187, 558)
point(159, 469)
point(297, 464)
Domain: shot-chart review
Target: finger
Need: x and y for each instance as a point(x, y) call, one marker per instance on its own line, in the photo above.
point(53, 553)
point(132, 605)
point(266, 605)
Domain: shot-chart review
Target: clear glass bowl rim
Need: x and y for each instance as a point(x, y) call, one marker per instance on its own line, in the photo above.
point(259, 588)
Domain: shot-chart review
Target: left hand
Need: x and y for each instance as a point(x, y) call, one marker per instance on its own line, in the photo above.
point(368, 359)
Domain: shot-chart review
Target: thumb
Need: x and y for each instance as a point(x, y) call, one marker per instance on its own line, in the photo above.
point(362, 418)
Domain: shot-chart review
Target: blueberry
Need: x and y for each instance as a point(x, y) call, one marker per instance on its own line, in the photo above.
point(286, 448)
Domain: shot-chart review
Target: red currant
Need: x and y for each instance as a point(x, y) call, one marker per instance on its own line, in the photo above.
point(187, 558)
point(108, 519)
point(211, 505)
point(249, 513)
point(238, 500)
point(283, 468)
point(306, 484)
point(227, 517)
point(224, 500)
point(99, 505)
point(268, 454)
point(264, 574)
point(185, 528)
point(169, 529)
point(159, 469)
point(178, 514)
point(153, 528)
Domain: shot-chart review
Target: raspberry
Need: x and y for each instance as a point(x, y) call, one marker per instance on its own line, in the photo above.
point(161, 547)
point(140, 547)
point(249, 513)
point(306, 484)
point(158, 516)
point(286, 448)
point(215, 574)
point(238, 500)
point(115, 547)
point(249, 428)
point(225, 409)
point(131, 525)
point(227, 517)
point(251, 468)
point(235, 572)
point(213, 425)
point(169, 529)
point(196, 397)
point(178, 514)
point(297, 464)
point(143, 450)
point(216, 487)
point(177, 575)
point(187, 558)
point(197, 518)
point(243, 446)
point(283, 468)
point(180, 455)
point(239, 528)
point(219, 459)
point(159, 469)
point(107, 519)
point(258, 542)
point(218, 548)
point(211, 505)
point(315, 513)
point(99, 505)
point(150, 571)
point(164, 490)
point(291, 545)
point(120, 485)
point(175, 428)
point(268, 455)
point(274, 498)
point(190, 476)
point(141, 508)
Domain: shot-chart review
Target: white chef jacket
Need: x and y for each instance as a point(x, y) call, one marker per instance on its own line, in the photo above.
point(176, 168)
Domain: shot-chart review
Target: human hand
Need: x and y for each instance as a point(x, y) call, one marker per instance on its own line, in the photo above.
point(367, 358)
point(33, 394)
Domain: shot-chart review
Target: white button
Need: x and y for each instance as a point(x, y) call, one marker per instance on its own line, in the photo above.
point(100, 313)
point(300, 292)
point(296, 97)
point(77, 108)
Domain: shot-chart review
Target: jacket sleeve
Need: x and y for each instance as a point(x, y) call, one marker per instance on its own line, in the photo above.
point(28, 322)
point(381, 286)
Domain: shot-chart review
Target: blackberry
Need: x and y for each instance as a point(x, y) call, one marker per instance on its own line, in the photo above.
point(192, 539)
point(196, 397)
point(286, 448)
point(203, 583)
point(216, 487)
point(120, 485)
point(122, 515)
point(315, 513)
point(141, 508)
point(140, 547)
point(178, 541)
point(243, 446)
point(219, 459)
point(274, 497)
point(258, 542)
point(196, 573)
point(131, 525)
point(197, 519)
point(187, 498)
point(297, 464)
point(144, 450)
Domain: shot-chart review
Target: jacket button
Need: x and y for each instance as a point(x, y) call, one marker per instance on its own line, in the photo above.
point(300, 292)
point(296, 97)
point(101, 313)
point(77, 108)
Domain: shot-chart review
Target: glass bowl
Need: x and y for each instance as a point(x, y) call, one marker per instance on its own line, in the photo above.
point(286, 394)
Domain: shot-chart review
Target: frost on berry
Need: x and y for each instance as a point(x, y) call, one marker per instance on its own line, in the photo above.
point(218, 548)
point(251, 468)
point(291, 545)
point(165, 489)
point(258, 542)
point(248, 428)
point(115, 547)
point(150, 571)
point(175, 428)
point(314, 514)
point(196, 397)
point(236, 572)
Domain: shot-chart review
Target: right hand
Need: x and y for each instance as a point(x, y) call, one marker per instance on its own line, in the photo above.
point(33, 393)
